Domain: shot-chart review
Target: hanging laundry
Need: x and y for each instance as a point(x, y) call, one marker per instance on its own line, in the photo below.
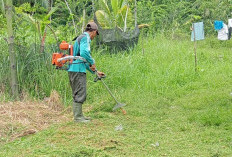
point(230, 23)
point(198, 31)
point(218, 25)
point(223, 33)
point(230, 28)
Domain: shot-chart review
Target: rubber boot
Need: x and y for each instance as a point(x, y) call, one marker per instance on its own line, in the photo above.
point(86, 118)
point(77, 113)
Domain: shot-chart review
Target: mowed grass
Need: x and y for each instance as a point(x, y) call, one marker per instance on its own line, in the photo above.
point(171, 110)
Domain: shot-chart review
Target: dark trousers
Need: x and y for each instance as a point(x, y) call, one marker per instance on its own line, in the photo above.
point(78, 84)
point(230, 31)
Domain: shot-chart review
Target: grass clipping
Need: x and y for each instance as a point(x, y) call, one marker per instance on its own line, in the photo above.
point(18, 119)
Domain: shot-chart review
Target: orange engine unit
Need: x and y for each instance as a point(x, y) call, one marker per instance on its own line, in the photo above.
point(55, 56)
point(64, 45)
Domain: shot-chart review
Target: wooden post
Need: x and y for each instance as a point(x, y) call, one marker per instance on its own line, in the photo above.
point(135, 13)
point(195, 47)
point(142, 43)
point(136, 25)
point(12, 56)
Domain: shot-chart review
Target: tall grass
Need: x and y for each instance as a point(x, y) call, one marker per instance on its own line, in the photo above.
point(166, 69)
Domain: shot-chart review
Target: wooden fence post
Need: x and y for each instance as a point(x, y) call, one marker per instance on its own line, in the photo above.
point(12, 56)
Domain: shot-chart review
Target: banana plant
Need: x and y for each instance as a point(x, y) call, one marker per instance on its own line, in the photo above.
point(118, 15)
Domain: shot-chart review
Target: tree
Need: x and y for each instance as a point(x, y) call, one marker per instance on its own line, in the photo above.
point(40, 22)
point(12, 56)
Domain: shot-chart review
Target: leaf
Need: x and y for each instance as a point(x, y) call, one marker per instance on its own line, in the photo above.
point(43, 25)
point(29, 18)
point(114, 5)
point(50, 13)
point(35, 23)
point(122, 15)
point(103, 19)
point(196, 17)
point(105, 6)
point(120, 3)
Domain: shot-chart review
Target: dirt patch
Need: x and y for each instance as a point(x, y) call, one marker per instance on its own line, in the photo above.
point(18, 119)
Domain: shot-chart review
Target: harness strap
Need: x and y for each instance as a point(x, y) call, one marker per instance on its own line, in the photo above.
point(79, 41)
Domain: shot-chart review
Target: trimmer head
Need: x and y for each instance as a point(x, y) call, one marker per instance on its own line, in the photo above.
point(117, 106)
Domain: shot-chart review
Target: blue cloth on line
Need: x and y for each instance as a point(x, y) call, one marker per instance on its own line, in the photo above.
point(218, 25)
point(199, 31)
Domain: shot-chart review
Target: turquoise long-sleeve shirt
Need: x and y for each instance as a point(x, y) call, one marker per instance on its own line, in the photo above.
point(78, 65)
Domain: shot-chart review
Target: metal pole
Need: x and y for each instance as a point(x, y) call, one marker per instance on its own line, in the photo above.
point(109, 91)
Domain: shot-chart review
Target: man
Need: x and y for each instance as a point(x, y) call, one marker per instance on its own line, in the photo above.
point(77, 70)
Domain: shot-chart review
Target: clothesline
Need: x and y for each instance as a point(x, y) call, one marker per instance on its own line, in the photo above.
point(224, 30)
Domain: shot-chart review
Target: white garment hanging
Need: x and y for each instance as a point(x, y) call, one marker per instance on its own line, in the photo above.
point(223, 33)
point(229, 23)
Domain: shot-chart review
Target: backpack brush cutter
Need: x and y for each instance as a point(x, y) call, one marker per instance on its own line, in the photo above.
point(60, 60)
point(118, 105)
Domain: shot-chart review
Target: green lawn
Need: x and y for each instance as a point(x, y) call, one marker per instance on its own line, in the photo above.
point(171, 110)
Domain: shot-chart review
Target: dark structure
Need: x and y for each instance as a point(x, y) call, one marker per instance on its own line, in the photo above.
point(116, 39)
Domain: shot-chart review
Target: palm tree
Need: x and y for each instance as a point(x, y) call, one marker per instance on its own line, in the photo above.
point(119, 15)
